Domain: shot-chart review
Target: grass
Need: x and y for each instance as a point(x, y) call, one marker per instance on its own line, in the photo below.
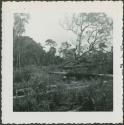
point(69, 95)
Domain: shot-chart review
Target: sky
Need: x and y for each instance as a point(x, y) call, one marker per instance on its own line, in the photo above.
point(46, 25)
point(45, 18)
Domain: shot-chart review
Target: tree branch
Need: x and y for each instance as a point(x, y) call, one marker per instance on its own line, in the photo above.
point(92, 45)
point(90, 36)
point(71, 28)
point(82, 30)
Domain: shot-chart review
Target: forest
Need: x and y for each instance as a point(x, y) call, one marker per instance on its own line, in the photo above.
point(77, 76)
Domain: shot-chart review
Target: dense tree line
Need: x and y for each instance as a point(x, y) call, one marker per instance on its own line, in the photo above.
point(93, 31)
point(27, 52)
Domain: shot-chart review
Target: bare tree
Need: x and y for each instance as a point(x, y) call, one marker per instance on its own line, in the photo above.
point(91, 29)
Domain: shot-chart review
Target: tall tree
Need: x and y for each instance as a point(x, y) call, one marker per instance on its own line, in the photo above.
point(20, 19)
point(32, 54)
point(50, 43)
point(90, 29)
point(52, 50)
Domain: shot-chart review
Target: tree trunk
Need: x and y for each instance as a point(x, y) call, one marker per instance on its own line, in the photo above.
point(19, 60)
point(79, 44)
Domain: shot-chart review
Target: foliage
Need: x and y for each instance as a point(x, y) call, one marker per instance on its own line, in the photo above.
point(20, 19)
point(66, 51)
point(50, 42)
point(78, 92)
point(96, 95)
point(91, 29)
point(28, 52)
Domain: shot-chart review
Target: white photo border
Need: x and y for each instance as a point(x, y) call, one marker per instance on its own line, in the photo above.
point(114, 9)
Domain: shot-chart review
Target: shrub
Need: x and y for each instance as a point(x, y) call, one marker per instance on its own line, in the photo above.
point(25, 104)
point(24, 73)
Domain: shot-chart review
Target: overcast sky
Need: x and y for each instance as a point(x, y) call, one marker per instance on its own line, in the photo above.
point(45, 18)
point(46, 25)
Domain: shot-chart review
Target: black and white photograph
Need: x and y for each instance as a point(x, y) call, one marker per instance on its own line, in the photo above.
point(68, 70)
point(63, 57)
